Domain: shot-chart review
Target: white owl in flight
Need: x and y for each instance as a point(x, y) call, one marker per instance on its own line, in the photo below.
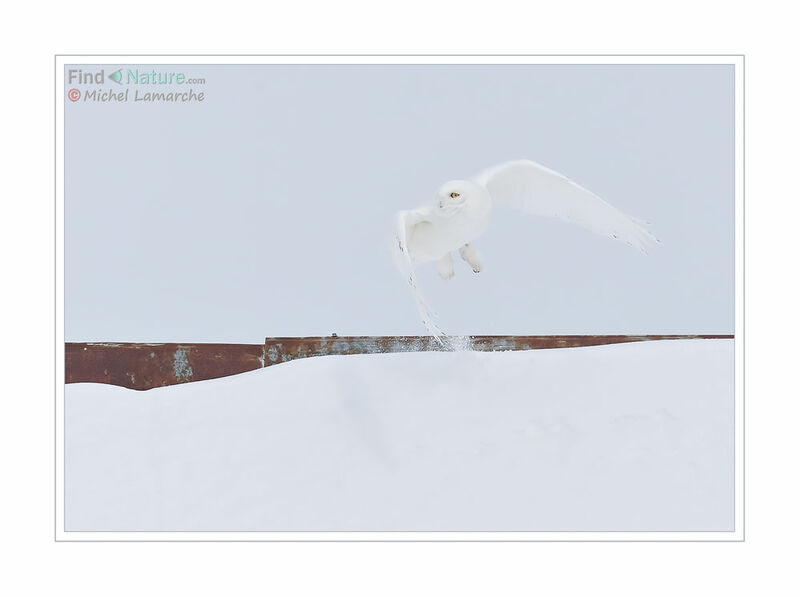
point(461, 210)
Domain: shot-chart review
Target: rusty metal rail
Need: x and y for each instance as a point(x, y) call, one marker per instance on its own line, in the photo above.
point(145, 366)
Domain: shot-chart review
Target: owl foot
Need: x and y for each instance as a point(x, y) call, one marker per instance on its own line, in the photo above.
point(470, 254)
point(445, 267)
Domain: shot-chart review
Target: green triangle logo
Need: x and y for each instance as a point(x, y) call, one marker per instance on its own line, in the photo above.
point(116, 76)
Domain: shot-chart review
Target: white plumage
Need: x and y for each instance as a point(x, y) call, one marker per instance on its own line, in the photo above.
point(461, 210)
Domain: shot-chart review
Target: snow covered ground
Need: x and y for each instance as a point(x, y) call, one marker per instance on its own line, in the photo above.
point(630, 437)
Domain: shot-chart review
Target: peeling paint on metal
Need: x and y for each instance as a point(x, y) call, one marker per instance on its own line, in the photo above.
point(273, 354)
point(180, 365)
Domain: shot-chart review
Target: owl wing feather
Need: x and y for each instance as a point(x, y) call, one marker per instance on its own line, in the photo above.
point(537, 190)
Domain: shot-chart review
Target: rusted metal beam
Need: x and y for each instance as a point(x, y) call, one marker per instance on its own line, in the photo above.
point(280, 350)
point(145, 366)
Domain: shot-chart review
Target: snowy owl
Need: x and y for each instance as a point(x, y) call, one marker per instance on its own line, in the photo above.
point(461, 210)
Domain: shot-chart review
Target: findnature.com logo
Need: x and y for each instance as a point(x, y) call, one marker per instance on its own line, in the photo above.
point(133, 78)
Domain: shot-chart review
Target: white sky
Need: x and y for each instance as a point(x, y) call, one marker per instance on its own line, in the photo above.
point(263, 210)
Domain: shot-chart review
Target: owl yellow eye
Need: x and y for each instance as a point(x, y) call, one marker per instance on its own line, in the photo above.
point(454, 195)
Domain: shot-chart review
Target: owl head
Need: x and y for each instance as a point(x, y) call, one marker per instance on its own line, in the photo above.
point(453, 195)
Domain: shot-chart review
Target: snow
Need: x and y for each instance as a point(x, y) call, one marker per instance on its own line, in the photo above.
point(629, 437)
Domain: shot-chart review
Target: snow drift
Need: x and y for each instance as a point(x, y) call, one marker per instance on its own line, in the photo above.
point(632, 437)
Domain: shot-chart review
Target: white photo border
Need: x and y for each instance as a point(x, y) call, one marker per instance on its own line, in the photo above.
point(735, 60)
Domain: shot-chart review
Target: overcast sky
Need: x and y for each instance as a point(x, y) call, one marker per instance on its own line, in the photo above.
point(264, 209)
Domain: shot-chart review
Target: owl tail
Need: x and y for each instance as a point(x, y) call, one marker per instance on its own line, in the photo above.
point(403, 261)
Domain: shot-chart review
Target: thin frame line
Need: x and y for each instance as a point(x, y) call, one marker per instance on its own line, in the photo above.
point(421, 55)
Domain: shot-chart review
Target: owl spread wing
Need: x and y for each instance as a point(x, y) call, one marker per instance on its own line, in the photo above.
point(404, 225)
point(540, 191)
